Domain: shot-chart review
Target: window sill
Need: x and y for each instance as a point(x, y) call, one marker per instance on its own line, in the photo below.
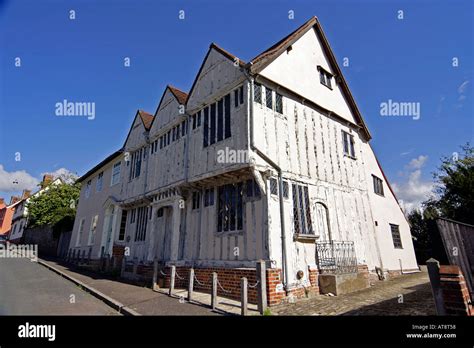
point(308, 238)
point(379, 194)
point(327, 86)
point(230, 233)
point(349, 156)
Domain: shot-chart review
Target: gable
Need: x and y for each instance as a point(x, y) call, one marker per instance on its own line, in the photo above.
point(217, 73)
point(313, 27)
point(135, 135)
point(167, 111)
point(297, 70)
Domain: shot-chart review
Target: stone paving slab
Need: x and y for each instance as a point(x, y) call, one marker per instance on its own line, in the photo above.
point(224, 305)
point(409, 294)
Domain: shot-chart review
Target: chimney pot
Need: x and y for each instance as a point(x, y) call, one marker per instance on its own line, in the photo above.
point(14, 199)
point(47, 179)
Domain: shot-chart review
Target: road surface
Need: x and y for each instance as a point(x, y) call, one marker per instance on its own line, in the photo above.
point(27, 288)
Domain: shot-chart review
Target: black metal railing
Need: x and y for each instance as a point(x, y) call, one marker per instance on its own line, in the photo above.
point(336, 257)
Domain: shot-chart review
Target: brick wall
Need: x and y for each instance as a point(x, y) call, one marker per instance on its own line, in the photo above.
point(455, 292)
point(229, 278)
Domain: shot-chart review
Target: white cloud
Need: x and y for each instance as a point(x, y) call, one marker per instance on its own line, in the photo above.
point(63, 173)
point(462, 87)
point(461, 91)
point(16, 181)
point(20, 180)
point(417, 163)
point(406, 152)
point(414, 190)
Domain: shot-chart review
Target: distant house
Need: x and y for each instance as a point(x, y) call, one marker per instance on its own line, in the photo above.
point(6, 215)
point(20, 216)
point(267, 160)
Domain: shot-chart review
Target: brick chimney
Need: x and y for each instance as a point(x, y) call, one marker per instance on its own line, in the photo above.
point(47, 179)
point(25, 194)
point(2, 201)
point(14, 199)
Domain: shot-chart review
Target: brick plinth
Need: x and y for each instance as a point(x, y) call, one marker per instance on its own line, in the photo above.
point(229, 278)
point(456, 296)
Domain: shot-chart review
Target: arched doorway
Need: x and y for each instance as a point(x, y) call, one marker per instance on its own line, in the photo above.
point(322, 222)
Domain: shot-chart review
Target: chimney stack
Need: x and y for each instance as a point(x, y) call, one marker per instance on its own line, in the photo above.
point(14, 199)
point(2, 201)
point(47, 179)
point(25, 194)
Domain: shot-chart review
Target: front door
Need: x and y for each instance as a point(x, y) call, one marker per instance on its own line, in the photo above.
point(163, 233)
point(109, 223)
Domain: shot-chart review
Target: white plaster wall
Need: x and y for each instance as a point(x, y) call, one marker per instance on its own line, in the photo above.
point(217, 74)
point(297, 70)
point(386, 211)
point(94, 205)
point(166, 165)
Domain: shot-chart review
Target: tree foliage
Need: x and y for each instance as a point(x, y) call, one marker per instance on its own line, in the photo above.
point(454, 200)
point(56, 203)
point(455, 187)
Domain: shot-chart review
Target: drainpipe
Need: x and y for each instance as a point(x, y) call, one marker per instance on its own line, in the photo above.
point(186, 147)
point(280, 182)
point(147, 156)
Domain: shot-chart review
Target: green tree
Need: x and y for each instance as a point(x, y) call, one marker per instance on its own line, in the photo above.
point(57, 203)
point(454, 199)
point(455, 187)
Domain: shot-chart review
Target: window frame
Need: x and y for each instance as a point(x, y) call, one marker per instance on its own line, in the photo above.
point(93, 230)
point(123, 226)
point(273, 186)
point(99, 185)
point(87, 192)
point(269, 91)
point(378, 185)
point(397, 244)
point(350, 144)
point(116, 174)
point(230, 208)
point(302, 219)
point(257, 86)
point(325, 77)
point(278, 96)
point(80, 231)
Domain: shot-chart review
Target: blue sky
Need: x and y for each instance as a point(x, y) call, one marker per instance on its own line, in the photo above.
point(405, 60)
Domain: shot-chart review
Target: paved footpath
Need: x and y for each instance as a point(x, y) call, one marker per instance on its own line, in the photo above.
point(140, 299)
point(406, 295)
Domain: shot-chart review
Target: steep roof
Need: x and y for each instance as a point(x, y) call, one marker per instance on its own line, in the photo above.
point(180, 96)
point(146, 118)
point(269, 55)
point(101, 164)
point(266, 57)
point(147, 121)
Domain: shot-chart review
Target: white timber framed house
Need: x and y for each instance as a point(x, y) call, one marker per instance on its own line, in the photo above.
point(266, 160)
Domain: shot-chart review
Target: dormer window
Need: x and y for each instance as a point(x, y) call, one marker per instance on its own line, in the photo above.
point(325, 77)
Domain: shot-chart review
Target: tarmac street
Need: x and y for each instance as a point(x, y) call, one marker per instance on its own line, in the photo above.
point(27, 288)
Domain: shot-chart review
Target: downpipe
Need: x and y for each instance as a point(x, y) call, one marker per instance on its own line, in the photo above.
point(280, 181)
